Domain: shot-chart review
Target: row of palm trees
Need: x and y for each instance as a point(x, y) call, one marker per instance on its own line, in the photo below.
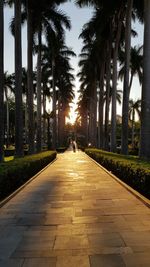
point(107, 41)
point(53, 71)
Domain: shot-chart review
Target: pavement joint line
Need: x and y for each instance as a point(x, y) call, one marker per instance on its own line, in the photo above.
point(3, 202)
point(143, 199)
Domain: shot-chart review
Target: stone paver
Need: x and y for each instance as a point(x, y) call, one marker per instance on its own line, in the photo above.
point(74, 214)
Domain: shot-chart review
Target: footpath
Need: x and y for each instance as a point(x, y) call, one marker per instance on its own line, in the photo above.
point(74, 214)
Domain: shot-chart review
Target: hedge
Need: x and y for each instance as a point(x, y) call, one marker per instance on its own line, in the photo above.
point(61, 149)
point(130, 169)
point(15, 173)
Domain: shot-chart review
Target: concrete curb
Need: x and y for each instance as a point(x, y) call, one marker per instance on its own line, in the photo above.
point(3, 202)
point(143, 199)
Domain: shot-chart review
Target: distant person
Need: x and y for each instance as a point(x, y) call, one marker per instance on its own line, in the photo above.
point(74, 146)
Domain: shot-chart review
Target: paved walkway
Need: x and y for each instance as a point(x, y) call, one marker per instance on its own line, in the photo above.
point(74, 215)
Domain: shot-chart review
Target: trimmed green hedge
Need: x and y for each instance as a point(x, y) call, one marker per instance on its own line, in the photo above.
point(130, 169)
point(61, 149)
point(15, 173)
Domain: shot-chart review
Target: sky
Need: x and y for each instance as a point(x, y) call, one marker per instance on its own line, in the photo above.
point(78, 18)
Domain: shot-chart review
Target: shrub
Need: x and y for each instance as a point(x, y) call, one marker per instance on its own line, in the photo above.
point(61, 149)
point(130, 169)
point(15, 173)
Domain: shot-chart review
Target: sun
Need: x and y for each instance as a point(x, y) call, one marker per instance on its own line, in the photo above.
point(72, 114)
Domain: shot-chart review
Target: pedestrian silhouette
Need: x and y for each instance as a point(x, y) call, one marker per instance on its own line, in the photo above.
point(74, 146)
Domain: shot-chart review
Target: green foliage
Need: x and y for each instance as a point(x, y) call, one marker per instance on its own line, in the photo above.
point(130, 169)
point(9, 152)
point(61, 149)
point(15, 173)
point(6, 159)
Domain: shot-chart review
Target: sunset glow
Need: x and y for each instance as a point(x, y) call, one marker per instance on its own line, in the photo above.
point(72, 114)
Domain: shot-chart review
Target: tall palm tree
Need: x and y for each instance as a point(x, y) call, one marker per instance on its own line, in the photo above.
point(118, 26)
point(18, 78)
point(125, 106)
point(52, 21)
point(108, 79)
point(8, 86)
point(39, 18)
point(30, 20)
point(88, 79)
point(1, 79)
point(145, 105)
point(109, 13)
point(39, 139)
point(63, 77)
point(136, 64)
point(27, 13)
point(134, 107)
point(25, 91)
point(83, 115)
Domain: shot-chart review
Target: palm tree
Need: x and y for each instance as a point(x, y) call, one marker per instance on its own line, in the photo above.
point(108, 79)
point(136, 68)
point(52, 21)
point(25, 91)
point(8, 85)
point(18, 87)
point(39, 139)
point(46, 94)
point(88, 79)
point(134, 107)
point(1, 80)
point(125, 106)
point(136, 64)
point(30, 20)
point(63, 77)
point(108, 13)
point(39, 17)
point(28, 13)
point(145, 105)
point(83, 115)
point(117, 26)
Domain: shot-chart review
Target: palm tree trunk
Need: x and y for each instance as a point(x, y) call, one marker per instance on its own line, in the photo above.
point(125, 106)
point(101, 107)
point(114, 87)
point(48, 134)
point(26, 122)
point(94, 116)
point(7, 116)
point(1, 80)
point(54, 107)
point(85, 127)
point(30, 80)
point(44, 113)
point(63, 126)
point(133, 118)
point(145, 105)
point(59, 122)
point(39, 93)
point(90, 122)
point(113, 110)
point(18, 81)
point(108, 78)
point(130, 84)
